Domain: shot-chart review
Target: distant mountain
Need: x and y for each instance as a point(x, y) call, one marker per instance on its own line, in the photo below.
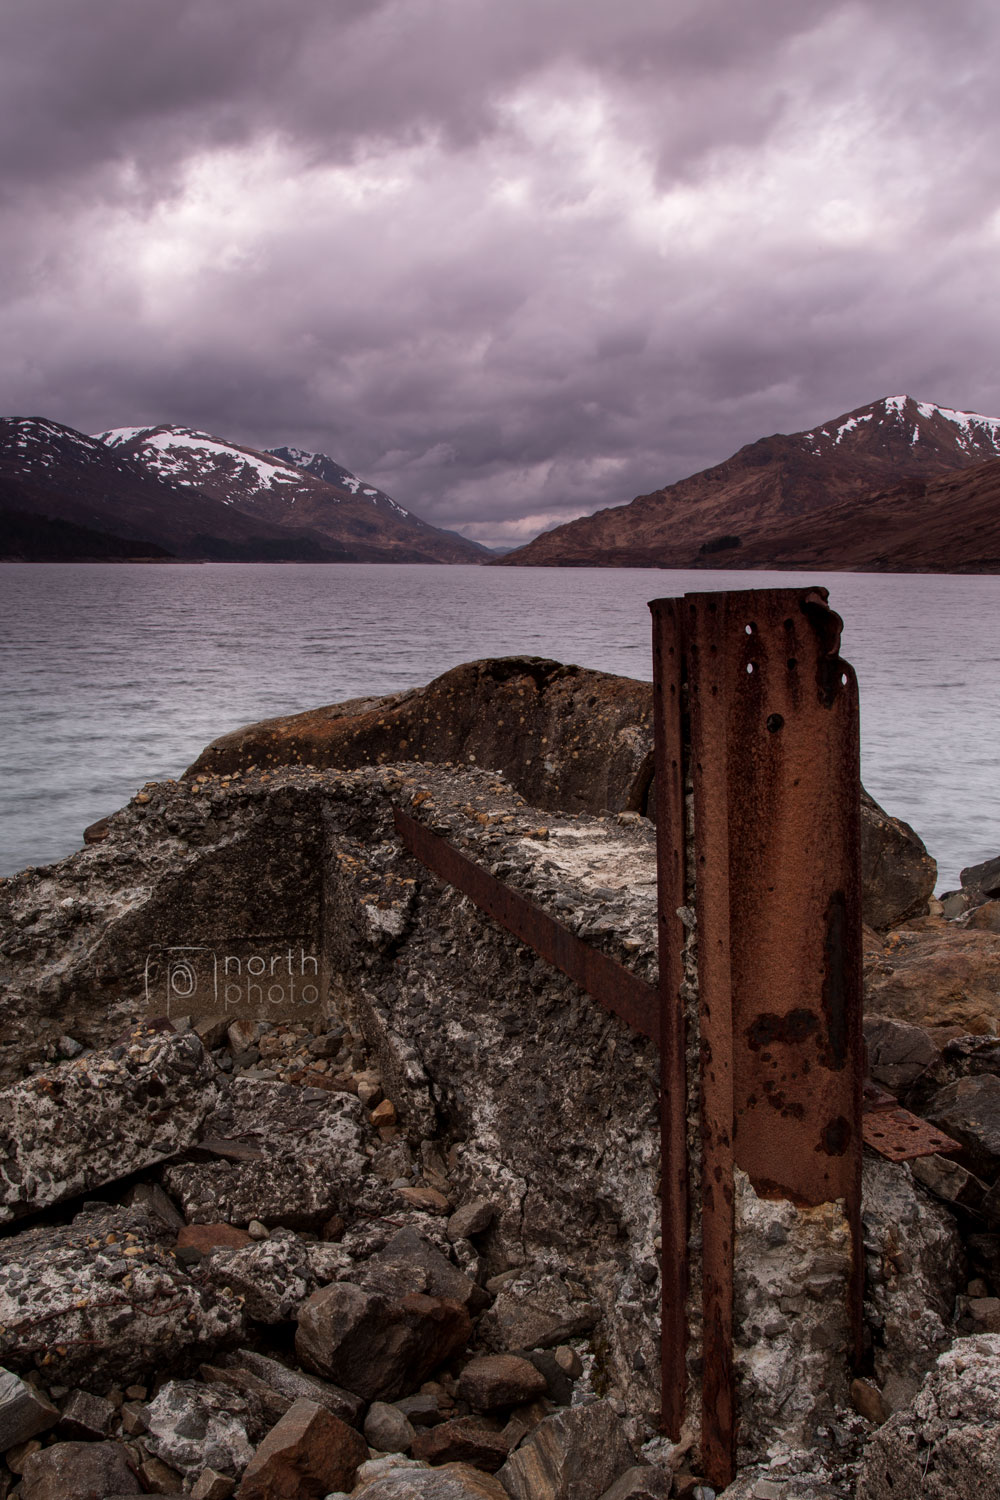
point(290, 488)
point(764, 504)
point(53, 474)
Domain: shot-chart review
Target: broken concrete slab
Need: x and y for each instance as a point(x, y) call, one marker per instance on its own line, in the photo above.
point(87, 1122)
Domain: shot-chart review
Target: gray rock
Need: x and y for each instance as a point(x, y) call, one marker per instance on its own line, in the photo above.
point(306, 1163)
point(984, 877)
point(194, 1426)
point(535, 1312)
point(471, 1218)
point(387, 1429)
point(946, 1444)
point(897, 873)
point(914, 1268)
point(409, 1263)
point(78, 1471)
point(88, 1122)
point(576, 1454)
point(85, 1415)
point(951, 1182)
point(969, 1111)
point(24, 1412)
point(897, 1052)
point(123, 1305)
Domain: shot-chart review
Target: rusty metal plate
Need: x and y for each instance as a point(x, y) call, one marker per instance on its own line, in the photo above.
point(671, 885)
point(900, 1136)
point(613, 986)
point(775, 763)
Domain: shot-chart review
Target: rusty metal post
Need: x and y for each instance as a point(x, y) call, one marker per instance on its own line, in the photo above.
point(774, 761)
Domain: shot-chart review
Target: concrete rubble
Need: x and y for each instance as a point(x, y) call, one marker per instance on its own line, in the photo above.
point(401, 1241)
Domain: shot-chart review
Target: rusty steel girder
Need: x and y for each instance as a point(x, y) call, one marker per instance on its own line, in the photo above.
point(770, 732)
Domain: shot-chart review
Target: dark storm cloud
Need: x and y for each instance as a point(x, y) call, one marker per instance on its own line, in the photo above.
point(514, 262)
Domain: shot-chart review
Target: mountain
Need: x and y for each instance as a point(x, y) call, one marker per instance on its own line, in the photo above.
point(53, 477)
point(289, 488)
point(774, 497)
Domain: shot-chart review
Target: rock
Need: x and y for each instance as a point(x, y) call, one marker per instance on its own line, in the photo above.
point(426, 1198)
point(294, 1385)
point(97, 832)
point(150, 1196)
point(535, 1313)
point(495, 1380)
point(942, 977)
point(78, 1471)
point(273, 1276)
point(576, 1454)
point(158, 1478)
point(961, 1057)
point(422, 1410)
point(307, 1157)
point(641, 1482)
point(866, 1398)
point(24, 1412)
point(409, 1263)
point(87, 1416)
point(969, 1111)
point(304, 1456)
point(559, 1385)
point(466, 1440)
point(125, 1307)
point(375, 1468)
point(913, 1260)
point(985, 918)
point(984, 877)
point(985, 1313)
point(373, 1345)
point(451, 1482)
point(566, 737)
point(897, 1052)
point(208, 1237)
point(471, 1218)
point(88, 1122)
point(946, 1443)
point(192, 1426)
point(897, 874)
point(950, 1182)
point(211, 1485)
point(387, 1429)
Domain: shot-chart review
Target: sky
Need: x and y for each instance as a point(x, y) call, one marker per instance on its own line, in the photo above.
point(511, 260)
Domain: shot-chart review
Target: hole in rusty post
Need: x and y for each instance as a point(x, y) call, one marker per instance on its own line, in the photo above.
point(775, 722)
point(792, 663)
point(749, 629)
point(749, 666)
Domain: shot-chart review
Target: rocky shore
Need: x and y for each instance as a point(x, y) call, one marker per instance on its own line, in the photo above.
point(314, 1181)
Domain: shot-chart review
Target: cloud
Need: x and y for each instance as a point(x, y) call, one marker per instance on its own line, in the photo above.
point(513, 263)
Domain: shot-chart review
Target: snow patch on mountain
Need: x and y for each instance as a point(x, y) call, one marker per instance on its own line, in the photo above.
point(191, 458)
point(322, 466)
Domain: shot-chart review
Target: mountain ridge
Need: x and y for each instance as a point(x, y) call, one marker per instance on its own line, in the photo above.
point(721, 516)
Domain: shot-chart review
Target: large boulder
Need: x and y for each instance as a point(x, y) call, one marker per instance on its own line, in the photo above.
point(897, 873)
point(566, 737)
point(943, 978)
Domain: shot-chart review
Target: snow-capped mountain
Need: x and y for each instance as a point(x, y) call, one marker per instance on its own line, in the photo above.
point(55, 481)
point(322, 466)
point(731, 514)
point(272, 485)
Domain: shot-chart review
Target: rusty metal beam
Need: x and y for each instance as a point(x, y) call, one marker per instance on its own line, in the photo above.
point(613, 986)
point(775, 769)
point(671, 879)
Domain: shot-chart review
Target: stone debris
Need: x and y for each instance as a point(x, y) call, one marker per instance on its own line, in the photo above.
point(395, 1212)
point(946, 1442)
point(93, 1120)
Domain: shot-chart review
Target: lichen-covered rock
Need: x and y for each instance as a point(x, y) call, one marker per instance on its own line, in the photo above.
point(566, 737)
point(576, 1454)
point(87, 1122)
point(307, 1163)
point(192, 1426)
point(946, 1443)
point(102, 1300)
point(272, 1276)
point(914, 1268)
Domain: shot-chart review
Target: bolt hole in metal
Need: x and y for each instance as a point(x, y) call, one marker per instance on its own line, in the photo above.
point(749, 666)
point(843, 679)
point(775, 722)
